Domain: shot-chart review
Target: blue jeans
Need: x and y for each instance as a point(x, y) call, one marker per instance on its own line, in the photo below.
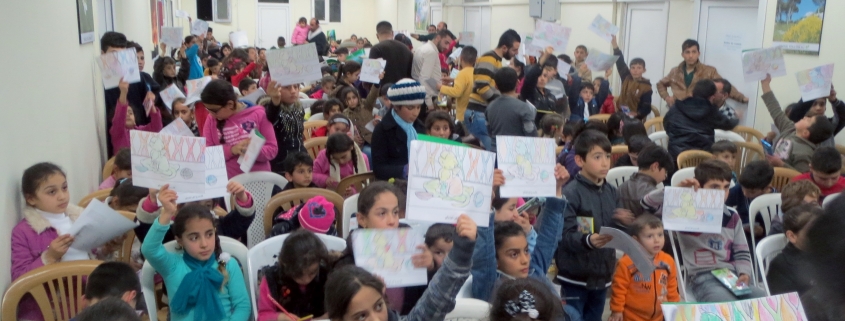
point(476, 123)
point(590, 303)
point(367, 150)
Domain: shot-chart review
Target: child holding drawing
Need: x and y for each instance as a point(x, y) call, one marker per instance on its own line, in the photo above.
point(287, 116)
point(340, 159)
point(231, 124)
point(124, 120)
point(187, 113)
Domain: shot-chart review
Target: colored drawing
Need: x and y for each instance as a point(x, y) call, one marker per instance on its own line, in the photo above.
point(370, 70)
point(195, 87)
point(445, 181)
point(294, 65)
point(171, 36)
point(599, 61)
point(783, 307)
point(216, 177)
point(387, 253)
point(757, 63)
point(815, 83)
point(551, 34)
point(119, 64)
point(421, 15)
point(527, 48)
point(690, 211)
point(169, 94)
point(528, 164)
point(585, 224)
point(159, 159)
point(603, 28)
point(199, 27)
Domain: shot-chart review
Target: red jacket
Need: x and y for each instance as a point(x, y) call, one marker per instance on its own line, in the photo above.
point(607, 107)
point(836, 188)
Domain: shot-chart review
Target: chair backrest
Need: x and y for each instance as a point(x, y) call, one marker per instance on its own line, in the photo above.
point(229, 245)
point(783, 176)
point(767, 250)
point(315, 145)
point(767, 207)
point(318, 116)
point(751, 135)
point(350, 207)
point(616, 152)
point(310, 126)
point(691, 158)
point(659, 138)
point(307, 103)
point(727, 135)
point(357, 181)
point(260, 185)
point(266, 253)
point(748, 152)
point(655, 111)
point(43, 283)
point(108, 168)
point(100, 195)
point(654, 125)
point(291, 198)
point(682, 273)
point(682, 174)
point(600, 117)
point(466, 289)
point(124, 254)
point(618, 175)
point(841, 149)
point(829, 198)
point(469, 310)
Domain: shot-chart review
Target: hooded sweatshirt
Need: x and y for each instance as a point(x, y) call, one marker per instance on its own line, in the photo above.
point(691, 124)
point(300, 35)
point(637, 296)
point(236, 129)
point(635, 93)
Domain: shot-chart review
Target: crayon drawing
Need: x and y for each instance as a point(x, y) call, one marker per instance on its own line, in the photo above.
point(445, 181)
point(171, 36)
point(528, 164)
point(603, 28)
point(371, 69)
point(599, 61)
point(815, 83)
point(690, 211)
point(387, 253)
point(551, 34)
point(119, 64)
point(784, 307)
point(757, 63)
point(216, 177)
point(159, 159)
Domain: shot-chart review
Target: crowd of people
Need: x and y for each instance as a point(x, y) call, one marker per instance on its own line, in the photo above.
point(370, 127)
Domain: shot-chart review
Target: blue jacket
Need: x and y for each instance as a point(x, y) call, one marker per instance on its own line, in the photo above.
point(549, 228)
point(196, 64)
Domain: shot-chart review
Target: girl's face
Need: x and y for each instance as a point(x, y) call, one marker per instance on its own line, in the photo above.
point(440, 129)
point(542, 81)
point(338, 128)
point(353, 77)
point(328, 87)
point(507, 212)
point(198, 238)
point(331, 110)
point(182, 111)
point(170, 70)
point(367, 305)
point(408, 113)
point(308, 275)
point(351, 100)
point(221, 112)
point(51, 195)
point(360, 43)
point(343, 157)
point(302, 24)
point(383, 215)
point(130, 119)
point(512, 256)
point(226, 51)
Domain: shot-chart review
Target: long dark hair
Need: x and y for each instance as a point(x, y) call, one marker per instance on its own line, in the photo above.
point(158, 72)
point(345, 283)
point(345, 92)
point(350, 66)
point(529, 84)
point(37, 174)
point(196, 211)
point(219, 92)
point(339, 143)
point(545, 302)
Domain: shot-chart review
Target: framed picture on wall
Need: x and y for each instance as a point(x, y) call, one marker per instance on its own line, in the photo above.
point(421, 15)
point(798, 26)
point(85, 16)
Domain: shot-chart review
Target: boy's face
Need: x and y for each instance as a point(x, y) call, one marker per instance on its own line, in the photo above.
point(512, 256)
point(140, 56)
point(818, 108)
point(301, 176)
point(215, 70)
point(440, 129)
point(726, 157)
point(328, 87)
point(341, 58)
point(802, 127)
point(595, 165)
point(637, 71)
point(752, 193)
point(439, 250)
point(252, 88)
point(587, 94)
point(651, 239)
point(691, 55)
point(824, 180)
point(580, 54)
point(659, 174)
point(718, 184)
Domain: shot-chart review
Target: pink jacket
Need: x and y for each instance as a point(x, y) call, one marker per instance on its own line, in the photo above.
point(236, 129)
point(322, 167)
point(300, 35)
point(120, 134)
point(30, 239)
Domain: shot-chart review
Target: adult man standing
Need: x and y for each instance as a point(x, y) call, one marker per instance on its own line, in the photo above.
point(427, 66)
point(683, 78)
point(397, 55)
point(691, 123)
point(316, 36)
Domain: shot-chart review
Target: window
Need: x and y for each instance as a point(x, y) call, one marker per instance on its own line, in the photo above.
point(204, 11)
point(326, 8)
point(222, 10)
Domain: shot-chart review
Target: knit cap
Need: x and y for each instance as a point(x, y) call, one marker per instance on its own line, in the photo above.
point(317, 215)
point(406, 92)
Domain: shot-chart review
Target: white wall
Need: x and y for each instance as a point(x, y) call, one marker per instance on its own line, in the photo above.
point(51, 114)
point(243, 19)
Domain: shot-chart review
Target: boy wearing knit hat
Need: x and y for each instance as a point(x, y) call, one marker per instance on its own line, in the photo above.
point(391, 141)
point(316, 215)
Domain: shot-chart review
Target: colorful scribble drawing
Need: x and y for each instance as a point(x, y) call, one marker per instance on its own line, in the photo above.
point(159, 159)
point(388, 253)
point(528, 164)
point(815, 83)
point(603, 28)
point(784, 307)
point(757, 63)
point(691, 211)
point(449, 185)
point(551, 34)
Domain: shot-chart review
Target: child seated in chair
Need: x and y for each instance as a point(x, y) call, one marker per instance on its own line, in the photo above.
point(754, 181)
point(316, 215)
point(824, 171)
point(725, 150)
point(122, 169)
point(299, 171)
point(795, 194)
point(341, 158)
point(654, 162)
point(788, 270)
point(112, 280)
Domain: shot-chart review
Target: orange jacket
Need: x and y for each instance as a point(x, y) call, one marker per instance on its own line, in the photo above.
point(639, 297)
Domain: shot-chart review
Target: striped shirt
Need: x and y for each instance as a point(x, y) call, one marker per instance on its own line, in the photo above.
point(484, 90)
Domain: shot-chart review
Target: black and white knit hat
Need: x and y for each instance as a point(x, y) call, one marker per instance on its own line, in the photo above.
point(406, 92)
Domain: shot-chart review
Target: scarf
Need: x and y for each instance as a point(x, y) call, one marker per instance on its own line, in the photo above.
point(199, 290)
point(194, 128)
point(334, 169)
point(407, 127)
point(312, 34)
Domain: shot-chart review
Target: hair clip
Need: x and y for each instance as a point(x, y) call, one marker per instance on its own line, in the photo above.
point(224, 258)
point(391, 181)
point(524, 304)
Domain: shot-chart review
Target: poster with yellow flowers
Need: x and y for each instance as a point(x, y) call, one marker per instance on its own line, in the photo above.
point(798, 26)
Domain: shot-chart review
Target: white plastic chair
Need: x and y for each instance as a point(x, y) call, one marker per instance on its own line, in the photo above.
point(319, 116)
point(266, 254)
point(469, 309)
point(660, 138)
point(260, 185)
point(727, 135)
point(229, 245)
point(303, 96)
point(682, 174)
point(686, 296)
point(350, 207)
point(466, 289)
point(618, 175)
point(766, 251)
point(766, 206)
point(826, 200)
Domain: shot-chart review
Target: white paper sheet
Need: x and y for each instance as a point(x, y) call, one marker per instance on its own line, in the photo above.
point(759, 62)
point(370, 70)
point(603, 28)
point(387, 253)
point(199, 27)
point(468, 38)
point(454, 73)
point(172, 36)
point(815, 83)
point(159, 159)
point(253, 97)
point(256, 141)
point(625, 243)
point(445, 181)
point(599, 61)
point(563, 69)
point(195, 87)
point(169, 94)
point(181, 14)
point(732, 42)
point(456, 54)
point(216, 177)
point(177, 128)
point(97, 225)
point(528, 164)
point(294, 65)
point(239, 39)
point(119, 64)
point(551, 34)
point(689, 211)
point(528, 48)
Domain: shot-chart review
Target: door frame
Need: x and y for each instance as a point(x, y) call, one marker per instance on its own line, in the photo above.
point(258, 6)
point(624, 31)
point(761, 23)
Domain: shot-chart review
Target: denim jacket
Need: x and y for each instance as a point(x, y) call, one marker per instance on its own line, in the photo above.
point(549, 231)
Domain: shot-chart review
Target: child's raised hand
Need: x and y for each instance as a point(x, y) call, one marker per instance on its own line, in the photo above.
point(561, 177)
point(124, 86)
point(381, 75)
point(273, 90)
point(238, 190)
point(615, 316)
point(167, 197)
point(57, 248)
point(607, 74)
point(615, 46)
point(550, 50)
point(766, 84)
point(690, 182)
point(466, 227)
point(424, 259)
point(583, 68)
point(523, 220)
point(498, 177)
point(599, 240)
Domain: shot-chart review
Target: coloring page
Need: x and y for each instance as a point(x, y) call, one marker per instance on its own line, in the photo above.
point(815, 83)
point(689, 211)
point(528, 164)
point(172, 36)
point(177, 128)
point(387, 253)
point(467, 38)
point(195, 87)
point(784, 307)
point(757, 63)
point(199, 27)
point(119, 64)
point(603, 28)
point(445, 181)
point(599, 61)
point(294, 65)
point(528, 48)
point(370, 70)
point(159, 159)
point(239, 39)
point(169, 94)
point(215, 177)
point(551, 34)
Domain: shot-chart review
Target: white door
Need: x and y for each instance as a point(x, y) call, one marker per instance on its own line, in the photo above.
point(725, 28)
point(477, 20)
point(645, 37)
point(273, 22)
point(436, 13)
